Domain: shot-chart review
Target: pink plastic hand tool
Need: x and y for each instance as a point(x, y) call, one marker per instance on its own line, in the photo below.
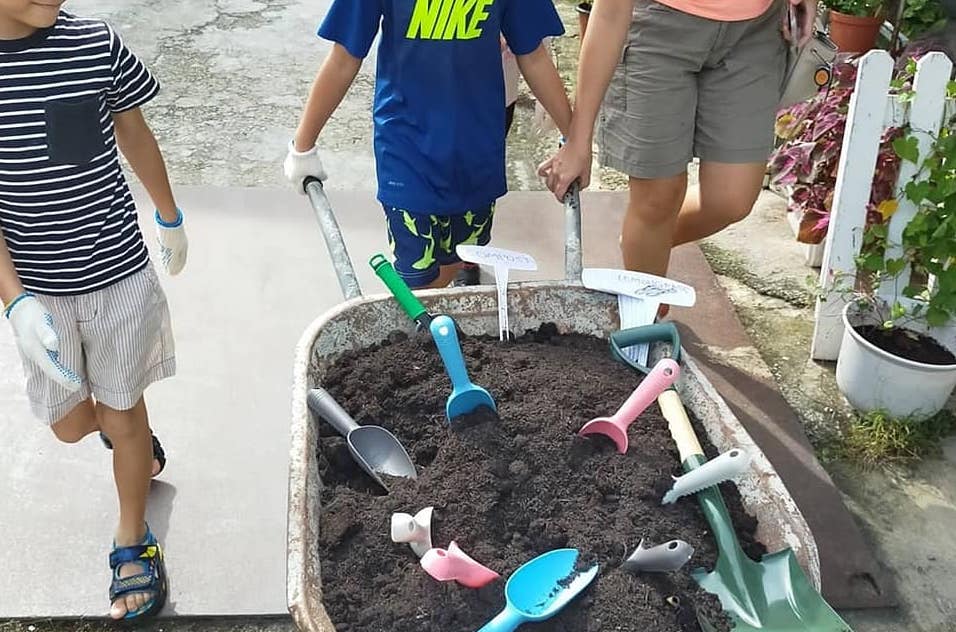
point(454, 564)
point(664, 374)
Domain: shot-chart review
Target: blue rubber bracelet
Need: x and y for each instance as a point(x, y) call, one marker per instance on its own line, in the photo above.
point(13, 303)
point(174, 224)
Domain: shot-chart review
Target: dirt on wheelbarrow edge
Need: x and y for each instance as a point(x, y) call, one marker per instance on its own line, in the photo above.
point(507, 489)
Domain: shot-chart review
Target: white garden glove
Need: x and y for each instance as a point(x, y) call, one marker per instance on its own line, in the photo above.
point(38, 341)
point(173, 245)
point(300, 165)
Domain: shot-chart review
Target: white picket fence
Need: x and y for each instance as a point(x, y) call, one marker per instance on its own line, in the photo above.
point(871, 111)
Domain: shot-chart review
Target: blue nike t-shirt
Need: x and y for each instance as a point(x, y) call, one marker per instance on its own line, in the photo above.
point(439, 93)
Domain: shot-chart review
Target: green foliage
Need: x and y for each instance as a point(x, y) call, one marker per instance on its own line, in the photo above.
point(929, 239)
point(920, 16)
point(877, 439)
point(862, 8)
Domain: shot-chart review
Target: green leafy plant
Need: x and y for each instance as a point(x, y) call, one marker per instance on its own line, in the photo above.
point(877, 439)
point(929, 240)
point(807, 158)
point(919, 16)
point(928, 244)
point(862, 8)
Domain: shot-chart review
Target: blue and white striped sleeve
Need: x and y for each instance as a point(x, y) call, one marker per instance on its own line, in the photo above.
point(133, 85)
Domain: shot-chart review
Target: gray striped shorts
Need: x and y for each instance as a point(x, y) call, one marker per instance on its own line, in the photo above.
point(118, 340)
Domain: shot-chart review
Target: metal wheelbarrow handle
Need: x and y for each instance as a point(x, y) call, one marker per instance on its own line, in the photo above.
point(572, 233)
point(342, 263)
point(333, 239)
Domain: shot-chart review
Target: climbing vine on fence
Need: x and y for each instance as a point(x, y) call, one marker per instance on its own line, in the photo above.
point(929, 239)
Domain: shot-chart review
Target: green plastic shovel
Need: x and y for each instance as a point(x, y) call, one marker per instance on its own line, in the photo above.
point(772, 594)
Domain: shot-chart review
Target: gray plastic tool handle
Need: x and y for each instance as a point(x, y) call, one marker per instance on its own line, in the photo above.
point(333, 239)
point(324, 405)
point(572, 233)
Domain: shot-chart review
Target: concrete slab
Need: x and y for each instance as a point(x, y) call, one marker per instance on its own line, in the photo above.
point(258, 274)
point(255, 278)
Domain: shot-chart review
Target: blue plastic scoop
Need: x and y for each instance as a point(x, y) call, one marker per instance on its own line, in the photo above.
point(465, 397)
point(540, 589)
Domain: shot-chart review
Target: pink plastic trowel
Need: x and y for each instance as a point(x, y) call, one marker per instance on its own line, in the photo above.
point(664, 374)
point(455, 565)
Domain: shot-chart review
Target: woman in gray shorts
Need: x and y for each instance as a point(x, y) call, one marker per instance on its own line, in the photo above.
point(691, 78)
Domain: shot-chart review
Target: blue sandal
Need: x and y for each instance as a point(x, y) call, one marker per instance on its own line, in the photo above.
point(153, 579)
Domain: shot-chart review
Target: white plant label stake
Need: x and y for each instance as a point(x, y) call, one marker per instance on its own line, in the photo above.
point(639, 296)
point(501, 260)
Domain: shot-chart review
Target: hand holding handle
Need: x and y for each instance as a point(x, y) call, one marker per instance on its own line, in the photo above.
point(324, 405)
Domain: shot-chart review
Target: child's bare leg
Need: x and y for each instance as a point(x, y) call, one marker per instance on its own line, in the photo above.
point(78, 423)
point(446, 275)
point(84, 420)
point(129, 433)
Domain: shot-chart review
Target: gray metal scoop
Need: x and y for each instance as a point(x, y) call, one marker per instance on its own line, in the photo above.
point(374, 448)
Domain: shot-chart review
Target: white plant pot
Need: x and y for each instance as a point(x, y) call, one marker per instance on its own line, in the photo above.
point(872, 379)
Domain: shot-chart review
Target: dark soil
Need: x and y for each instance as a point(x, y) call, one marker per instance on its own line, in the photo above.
point(507, 490)
point(907, 345)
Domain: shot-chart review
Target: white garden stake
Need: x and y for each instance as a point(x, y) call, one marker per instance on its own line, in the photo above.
point(502, 261)
point(639, 296)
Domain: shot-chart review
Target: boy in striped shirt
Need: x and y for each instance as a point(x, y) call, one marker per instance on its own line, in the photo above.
point(90, 318)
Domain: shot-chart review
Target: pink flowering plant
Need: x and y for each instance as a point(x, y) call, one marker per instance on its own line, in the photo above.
point(806, 161)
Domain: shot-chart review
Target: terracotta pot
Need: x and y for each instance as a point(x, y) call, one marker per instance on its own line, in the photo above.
point(852, 33)
point(584, 13)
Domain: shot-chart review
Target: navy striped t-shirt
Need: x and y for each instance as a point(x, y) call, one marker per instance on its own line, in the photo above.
point(66, 211)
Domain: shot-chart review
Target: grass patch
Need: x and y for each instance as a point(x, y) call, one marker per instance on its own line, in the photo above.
point(878, 439)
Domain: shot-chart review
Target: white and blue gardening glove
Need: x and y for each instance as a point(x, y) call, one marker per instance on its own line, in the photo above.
point(173, 245)
point(38, 340)
point(302, 165)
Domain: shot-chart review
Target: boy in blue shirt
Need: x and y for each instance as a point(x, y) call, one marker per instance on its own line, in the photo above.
point(439, 120)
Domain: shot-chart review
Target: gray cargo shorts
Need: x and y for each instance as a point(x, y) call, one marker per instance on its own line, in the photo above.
point(688, 86)
point(119, 340)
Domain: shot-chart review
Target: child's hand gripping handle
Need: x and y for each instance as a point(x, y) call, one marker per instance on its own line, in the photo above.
point(321, 403)
point(446, 339)
point(399, 289)
point(679, 425)
point(661, 378)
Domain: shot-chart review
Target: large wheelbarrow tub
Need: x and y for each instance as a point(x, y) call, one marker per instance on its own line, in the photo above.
point(359, 323)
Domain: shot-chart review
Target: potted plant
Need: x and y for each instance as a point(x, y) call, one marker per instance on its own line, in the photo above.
point(804, 164)
point(898, 352)
point(855, 24)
